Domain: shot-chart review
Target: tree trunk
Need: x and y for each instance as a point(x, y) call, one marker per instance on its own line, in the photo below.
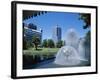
point(36, 47)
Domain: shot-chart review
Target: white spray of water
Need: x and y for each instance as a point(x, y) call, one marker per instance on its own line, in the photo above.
point(73, 51)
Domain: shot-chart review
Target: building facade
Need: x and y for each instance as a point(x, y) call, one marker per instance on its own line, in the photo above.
point(29, 33)
point(57, 34)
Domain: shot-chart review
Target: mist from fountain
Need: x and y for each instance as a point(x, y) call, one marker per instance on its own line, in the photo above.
point(73, 52)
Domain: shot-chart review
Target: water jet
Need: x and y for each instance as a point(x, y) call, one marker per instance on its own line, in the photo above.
point(73, 52)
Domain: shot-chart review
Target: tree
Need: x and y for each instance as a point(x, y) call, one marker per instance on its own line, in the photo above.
point(45, 43)
point(87, 20)
point(59, 44)
point(88, 38)
point(36, 41)
point(26, 44)
point(51, 43)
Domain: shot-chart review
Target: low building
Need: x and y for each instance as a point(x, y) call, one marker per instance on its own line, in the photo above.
point(29, 33)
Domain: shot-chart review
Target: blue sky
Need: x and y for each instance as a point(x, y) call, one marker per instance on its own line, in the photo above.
point(64, 20)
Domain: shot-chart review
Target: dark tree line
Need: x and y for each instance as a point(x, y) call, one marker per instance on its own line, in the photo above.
point(87, 20)
point(50, 43)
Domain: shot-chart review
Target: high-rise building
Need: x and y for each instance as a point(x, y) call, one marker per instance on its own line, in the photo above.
point(56, 34)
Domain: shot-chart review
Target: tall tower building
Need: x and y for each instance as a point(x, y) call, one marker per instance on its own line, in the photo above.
point(56, 34)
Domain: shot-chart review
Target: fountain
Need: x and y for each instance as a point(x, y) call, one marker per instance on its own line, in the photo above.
point(73, 52)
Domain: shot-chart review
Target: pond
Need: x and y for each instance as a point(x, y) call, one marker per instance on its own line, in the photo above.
point(50, 64)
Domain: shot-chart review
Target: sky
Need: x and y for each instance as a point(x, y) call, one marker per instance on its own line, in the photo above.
point(65, 20)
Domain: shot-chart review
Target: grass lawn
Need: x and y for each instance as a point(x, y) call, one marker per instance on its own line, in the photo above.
point(41, 51)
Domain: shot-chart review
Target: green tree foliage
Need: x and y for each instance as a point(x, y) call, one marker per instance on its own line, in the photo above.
point(87, 20)
point(88, 38)
point(26, 44)
point(51, 43)
point(45, 43)
point(59, 44)
point(36, 41)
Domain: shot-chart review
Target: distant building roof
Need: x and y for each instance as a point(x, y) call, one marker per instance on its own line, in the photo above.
point(32, 29)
